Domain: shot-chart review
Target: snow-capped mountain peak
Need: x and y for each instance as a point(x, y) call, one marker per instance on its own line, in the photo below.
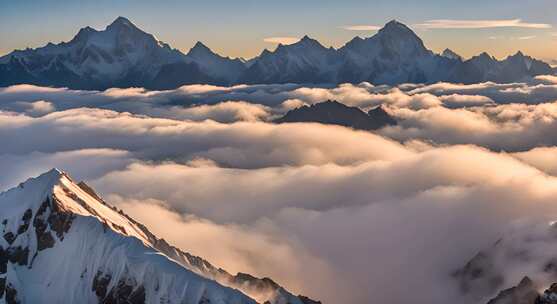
point(221, 68)
point(122, 55)
point(397, 28)
point(308, 40)
point(400, 39)
point(448, 53)
point(63, 244)
point(122, 22)
point(200, 48)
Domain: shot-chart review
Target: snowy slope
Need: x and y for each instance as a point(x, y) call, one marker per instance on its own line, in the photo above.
point(120, 55)
point(448, 53)
point(109, 55)
point(223, 68)
point(306, 61)
point(62, 244)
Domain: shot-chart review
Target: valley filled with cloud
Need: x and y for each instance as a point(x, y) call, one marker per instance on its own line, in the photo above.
point(361, 217)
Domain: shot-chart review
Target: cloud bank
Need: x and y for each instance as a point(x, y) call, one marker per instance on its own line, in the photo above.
point(356, 214)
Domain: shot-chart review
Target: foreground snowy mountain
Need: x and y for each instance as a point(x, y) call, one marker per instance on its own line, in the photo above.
point(63, 244)
point(122, 55)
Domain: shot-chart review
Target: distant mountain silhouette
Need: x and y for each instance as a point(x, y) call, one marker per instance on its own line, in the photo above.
point(336, 113)
point(122, 55)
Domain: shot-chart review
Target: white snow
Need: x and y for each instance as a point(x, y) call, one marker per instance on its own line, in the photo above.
point(65, 272)
point(102, 239)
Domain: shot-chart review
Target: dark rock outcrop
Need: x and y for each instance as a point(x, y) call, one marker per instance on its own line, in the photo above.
point(124, 292)
point(524, 293)
point(336, 113)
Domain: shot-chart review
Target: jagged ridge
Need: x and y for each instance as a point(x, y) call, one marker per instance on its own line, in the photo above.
point(123, 55)
point(63, 244)
point(336, 113)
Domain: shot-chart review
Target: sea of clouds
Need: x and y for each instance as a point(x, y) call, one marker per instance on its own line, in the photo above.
point(340, 215)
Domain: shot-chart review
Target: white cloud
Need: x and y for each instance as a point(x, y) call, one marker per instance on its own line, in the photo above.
point(549, 79)
point(237, 247)
point(526, 37)
point(35, 108)
point(361, 27)
point(456, 100)
point(543, 158)
point(358, 210)
point(372, 223)
point(480, 24)
point(245, 144)
point(226, 112)
point(82, 163)
point(282, 40)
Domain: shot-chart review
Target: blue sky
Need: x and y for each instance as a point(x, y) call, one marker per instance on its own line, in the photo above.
point(239, 28)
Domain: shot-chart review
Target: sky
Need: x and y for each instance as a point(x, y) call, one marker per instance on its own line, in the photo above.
point(243, 28)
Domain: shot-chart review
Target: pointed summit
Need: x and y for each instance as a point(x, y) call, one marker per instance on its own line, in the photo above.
point(305, 43)
point(400, 39)
point(308, 40)
point(394, 23)
point(448, 53)
point(397, 29)
point(121, 21)
point(518, 54)
point(46, 180)
point(83, 34)
point(199, 49)
point(485, 56)
point(200, 45)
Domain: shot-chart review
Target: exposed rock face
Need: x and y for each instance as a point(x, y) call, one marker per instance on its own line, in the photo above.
point(524, 293)
point(333, 112)
point(549, 296)
point(124, 292)
point(307, 300)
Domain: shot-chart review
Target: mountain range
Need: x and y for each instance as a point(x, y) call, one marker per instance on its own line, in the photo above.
point(122, 55)
point(62, 243)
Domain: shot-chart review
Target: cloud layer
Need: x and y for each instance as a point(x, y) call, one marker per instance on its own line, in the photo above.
point(359, 217)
